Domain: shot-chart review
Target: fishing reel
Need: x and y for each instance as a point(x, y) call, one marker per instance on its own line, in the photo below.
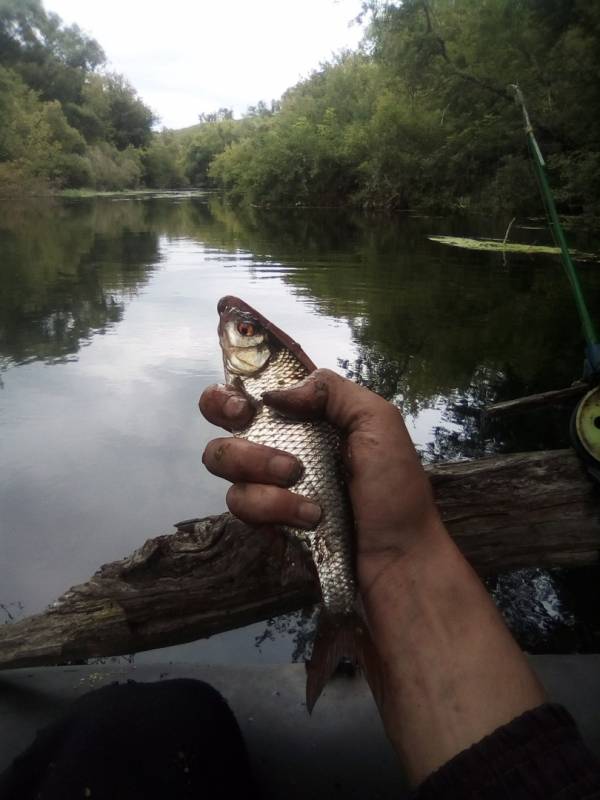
point(585, 419)
point(585, 431)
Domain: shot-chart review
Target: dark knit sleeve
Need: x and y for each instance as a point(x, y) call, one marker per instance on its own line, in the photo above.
point(538, 756)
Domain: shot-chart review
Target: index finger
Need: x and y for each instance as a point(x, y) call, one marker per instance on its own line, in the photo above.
point(226, 407)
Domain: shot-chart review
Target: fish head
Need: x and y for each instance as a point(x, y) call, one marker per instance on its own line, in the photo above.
point(249, 341)
point(245, 342)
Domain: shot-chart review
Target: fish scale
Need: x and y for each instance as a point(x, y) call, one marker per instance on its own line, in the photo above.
point(258, 358)
point(317, 446)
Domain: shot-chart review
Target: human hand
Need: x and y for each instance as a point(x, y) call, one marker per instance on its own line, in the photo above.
point(390, 493)
point(451, 672)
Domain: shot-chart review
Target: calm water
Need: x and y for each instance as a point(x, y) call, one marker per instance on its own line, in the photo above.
point(107, 338)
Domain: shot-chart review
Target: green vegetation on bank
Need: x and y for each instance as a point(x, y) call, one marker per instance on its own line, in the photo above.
point(65, 121)
point(424, 114)
point(420, 116)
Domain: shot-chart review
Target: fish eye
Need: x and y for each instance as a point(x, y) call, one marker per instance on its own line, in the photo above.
point(246, 328)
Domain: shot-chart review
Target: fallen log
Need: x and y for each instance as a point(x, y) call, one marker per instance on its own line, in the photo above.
point(214, 574)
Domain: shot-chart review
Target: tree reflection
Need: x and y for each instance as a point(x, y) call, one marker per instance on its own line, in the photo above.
point(428, 322)
point(67, 273)
point(430, 327)
point(298, 627)
point(450, 329)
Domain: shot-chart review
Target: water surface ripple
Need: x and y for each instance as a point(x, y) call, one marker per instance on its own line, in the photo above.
point(108, 336)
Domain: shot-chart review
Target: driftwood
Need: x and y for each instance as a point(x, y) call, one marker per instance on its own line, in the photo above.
point(536, 509)
point(533, 401)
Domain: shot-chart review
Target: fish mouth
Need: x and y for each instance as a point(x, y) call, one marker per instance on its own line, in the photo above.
point(230, 307)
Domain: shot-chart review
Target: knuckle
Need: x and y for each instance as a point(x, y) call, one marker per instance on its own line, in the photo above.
point(325, 374)
point(334, 379)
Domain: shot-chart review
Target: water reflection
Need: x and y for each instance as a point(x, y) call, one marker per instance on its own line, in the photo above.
point(107, 337)
point(67, 271)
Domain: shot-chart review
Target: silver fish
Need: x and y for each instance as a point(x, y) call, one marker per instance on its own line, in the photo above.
point(258, 357)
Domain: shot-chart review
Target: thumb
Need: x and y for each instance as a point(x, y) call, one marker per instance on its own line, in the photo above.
point(388, 487)
point(348, 406)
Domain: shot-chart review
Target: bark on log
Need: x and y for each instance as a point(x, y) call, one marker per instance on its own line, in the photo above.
point(535, 509)
point(531, 402)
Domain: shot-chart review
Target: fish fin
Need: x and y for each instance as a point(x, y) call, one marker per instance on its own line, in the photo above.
point(339, 638)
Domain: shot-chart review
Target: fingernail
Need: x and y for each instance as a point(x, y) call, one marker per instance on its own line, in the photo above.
point(308, 514)
point(285, 468)
point(235, 406)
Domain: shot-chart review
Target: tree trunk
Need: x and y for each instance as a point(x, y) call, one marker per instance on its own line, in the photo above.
point(214, 574)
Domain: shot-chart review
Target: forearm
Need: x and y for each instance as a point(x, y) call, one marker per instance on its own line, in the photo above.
point(452, 673)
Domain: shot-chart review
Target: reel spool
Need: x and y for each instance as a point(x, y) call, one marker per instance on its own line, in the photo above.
point(585, 430)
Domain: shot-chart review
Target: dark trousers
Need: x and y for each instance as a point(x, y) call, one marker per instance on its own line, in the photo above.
point(137, 741)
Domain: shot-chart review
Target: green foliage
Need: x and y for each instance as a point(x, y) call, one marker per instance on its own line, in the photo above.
point(214, 134)
point(52, 59)
point(129, 120)
point(36, 141)
point(308, 151)
point(579, 179)
point(62, 121)
point(163, 163)
point(423, 115)
point(115, 169)
point(74, 170)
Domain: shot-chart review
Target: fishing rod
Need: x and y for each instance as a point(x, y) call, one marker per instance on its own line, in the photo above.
point(585, 422)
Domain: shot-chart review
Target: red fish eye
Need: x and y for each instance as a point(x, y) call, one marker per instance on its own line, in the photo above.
point(245, 328)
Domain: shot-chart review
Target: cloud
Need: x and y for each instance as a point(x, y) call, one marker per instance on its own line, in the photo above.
point(186, 57)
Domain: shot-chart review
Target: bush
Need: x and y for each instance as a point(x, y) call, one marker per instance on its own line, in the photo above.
point(74, 171)
point(576, 181)
point(14, 181)
point(113, 169)
point(514, 187)
point(162, 164)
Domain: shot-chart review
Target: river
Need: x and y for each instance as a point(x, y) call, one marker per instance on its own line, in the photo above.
point(108, 336)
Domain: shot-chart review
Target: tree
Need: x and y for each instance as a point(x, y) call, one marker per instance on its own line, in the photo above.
point(163, 162)
point(216, 116)
point(130, 121)
point(52, 59)
point(216, 132)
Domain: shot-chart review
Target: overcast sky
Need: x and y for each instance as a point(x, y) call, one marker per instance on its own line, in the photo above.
point(189, 56)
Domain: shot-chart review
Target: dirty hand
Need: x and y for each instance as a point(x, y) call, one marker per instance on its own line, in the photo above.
point(451, 672)
point(390, 493)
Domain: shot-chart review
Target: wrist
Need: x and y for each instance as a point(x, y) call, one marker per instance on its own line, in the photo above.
point(406, 550)
point(450, 670)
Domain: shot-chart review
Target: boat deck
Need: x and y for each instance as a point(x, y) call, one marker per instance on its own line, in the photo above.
point(339, 751)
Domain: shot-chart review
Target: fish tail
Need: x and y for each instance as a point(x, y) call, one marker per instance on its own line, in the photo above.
point(339, 638)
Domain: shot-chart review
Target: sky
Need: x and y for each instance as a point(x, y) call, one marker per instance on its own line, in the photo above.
point(185, 57)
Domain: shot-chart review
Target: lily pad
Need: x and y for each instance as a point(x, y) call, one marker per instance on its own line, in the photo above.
point(498, 246)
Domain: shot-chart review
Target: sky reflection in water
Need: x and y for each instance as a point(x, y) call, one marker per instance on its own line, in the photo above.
point(108, 336)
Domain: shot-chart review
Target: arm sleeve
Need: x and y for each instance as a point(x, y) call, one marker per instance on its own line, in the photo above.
point(538, 756)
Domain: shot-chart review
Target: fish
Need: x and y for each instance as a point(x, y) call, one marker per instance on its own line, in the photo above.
point(259, 357)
